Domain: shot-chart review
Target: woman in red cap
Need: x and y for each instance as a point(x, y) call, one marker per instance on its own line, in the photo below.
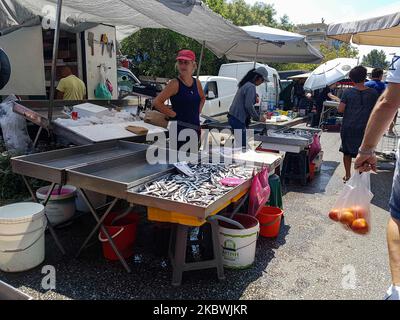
point(186, 95)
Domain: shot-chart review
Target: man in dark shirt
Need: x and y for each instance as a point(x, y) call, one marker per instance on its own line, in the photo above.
point(376, 82)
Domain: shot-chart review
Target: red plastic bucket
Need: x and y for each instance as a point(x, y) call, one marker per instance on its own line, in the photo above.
point(270, 221)
point(123, 233)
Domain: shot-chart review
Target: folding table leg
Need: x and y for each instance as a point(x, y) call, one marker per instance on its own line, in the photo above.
point(100, 223)
point(37, 136)
point(217, 249)
point(52, 231)
point(180, 254)
point(110, 207)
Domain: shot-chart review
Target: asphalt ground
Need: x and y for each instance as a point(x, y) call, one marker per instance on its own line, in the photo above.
point(313, 257)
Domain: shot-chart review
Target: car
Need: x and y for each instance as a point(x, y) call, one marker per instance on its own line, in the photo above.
point(126, 80)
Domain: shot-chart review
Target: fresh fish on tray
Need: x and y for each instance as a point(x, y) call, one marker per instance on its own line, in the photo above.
point(201, 189)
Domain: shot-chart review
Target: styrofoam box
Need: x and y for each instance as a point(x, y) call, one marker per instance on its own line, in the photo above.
point(90, 110)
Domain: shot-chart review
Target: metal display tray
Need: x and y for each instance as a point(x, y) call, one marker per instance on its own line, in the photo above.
point(282, 140)
point(8, 292)
point(51, 166)
point(289, 140)
point(114, 177)
point(185, 208)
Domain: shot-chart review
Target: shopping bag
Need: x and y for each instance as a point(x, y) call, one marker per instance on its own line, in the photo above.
point(156, 118)
point(352, 208)
point(109, 86)
point(102, 92)
point(259, 193)
point(315, 147)
point(264, 177)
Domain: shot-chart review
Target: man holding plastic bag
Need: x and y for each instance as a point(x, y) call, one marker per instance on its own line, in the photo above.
point(380, 120)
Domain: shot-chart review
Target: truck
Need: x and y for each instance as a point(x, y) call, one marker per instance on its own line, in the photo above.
point(268, 92)
point(219, 92)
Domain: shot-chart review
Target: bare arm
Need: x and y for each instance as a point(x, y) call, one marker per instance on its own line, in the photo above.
point(60, 95)
point(170, 90)
point(333, 97)
point(202, 95)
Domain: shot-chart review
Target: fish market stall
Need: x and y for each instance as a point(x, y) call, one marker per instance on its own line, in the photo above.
point(287, 139)
point(259, 126)
point(120, 169)
point(89, 121)
point(303, 154)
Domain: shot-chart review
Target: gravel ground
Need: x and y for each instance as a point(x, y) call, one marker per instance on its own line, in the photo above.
point(312, 258)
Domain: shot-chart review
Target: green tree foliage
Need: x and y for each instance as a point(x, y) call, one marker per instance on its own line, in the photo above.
point(344, 51)
point(154, 50)
point(375, 59)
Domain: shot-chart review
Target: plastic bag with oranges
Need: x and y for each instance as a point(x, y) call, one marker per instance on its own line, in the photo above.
point(352, 208)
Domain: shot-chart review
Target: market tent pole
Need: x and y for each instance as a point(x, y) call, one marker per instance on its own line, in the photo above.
point(201, 59)
point(255, 58)
point(54, 61)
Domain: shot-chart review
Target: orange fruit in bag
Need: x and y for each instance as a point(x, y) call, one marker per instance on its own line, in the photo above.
point(359, 212)
point(347, 217)
point(360, 226)
point(334, 214)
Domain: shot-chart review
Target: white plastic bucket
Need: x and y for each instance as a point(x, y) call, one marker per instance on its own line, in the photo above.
point(96, 199)
point(239, 245)
point(61, 207)
point(22, 230)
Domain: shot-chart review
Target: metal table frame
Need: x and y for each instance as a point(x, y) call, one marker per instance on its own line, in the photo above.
point(57, 176)
point(75, 174)
point(93, 211)
point(325, 110)
point(44, 203)
point(100, 225)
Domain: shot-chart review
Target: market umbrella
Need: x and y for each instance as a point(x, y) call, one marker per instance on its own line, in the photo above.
point(329, 73)
point(379, 31)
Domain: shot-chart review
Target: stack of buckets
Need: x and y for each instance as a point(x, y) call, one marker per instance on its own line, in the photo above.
point(239, 245)
point(22, 235)
point(61, 206)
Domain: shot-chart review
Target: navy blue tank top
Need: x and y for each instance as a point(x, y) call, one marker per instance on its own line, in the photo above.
point(186, 104)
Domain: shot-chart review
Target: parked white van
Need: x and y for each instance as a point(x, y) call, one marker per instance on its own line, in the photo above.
point(267, 91)
point(219, 92)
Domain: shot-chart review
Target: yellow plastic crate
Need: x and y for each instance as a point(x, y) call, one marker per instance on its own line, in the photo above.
point(160, 215)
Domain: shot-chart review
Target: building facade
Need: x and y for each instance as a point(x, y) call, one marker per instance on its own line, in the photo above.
point(316, 34)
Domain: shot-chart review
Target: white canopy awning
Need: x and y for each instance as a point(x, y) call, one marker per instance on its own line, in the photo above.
point(380, 31)
point(268, 45)
point(188, 17)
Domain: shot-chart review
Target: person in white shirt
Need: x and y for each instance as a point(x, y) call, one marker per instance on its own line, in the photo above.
point(366, 160)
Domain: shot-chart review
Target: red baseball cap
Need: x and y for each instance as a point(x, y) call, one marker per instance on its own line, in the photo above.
point(186, 55)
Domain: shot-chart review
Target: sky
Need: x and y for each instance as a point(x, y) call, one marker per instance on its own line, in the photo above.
point(333, 11)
